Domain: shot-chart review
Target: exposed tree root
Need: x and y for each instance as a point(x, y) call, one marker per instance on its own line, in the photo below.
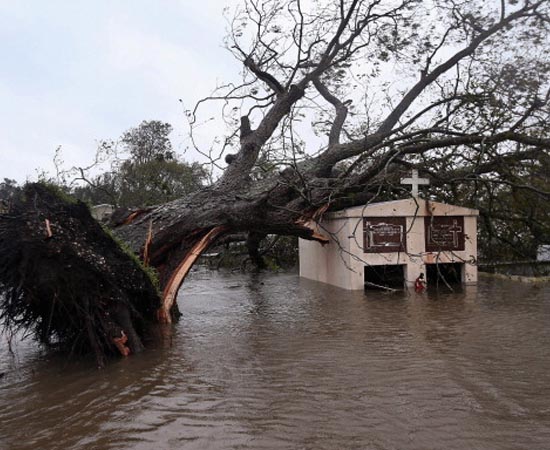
point(63, 277)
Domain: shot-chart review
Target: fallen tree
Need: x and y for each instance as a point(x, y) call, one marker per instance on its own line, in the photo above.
point(461, 113)
point(444, 123)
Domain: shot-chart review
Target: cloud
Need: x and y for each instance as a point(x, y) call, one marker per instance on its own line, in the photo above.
point(92, 70)
point(160, 66)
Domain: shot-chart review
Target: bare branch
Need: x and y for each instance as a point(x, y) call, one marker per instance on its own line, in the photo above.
point(429, 78)
point(263, 75)
point(341, 112)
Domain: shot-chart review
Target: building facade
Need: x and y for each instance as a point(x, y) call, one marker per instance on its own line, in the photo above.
point(390, 244)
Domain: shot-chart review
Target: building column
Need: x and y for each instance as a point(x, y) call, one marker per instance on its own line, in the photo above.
point(415, 248)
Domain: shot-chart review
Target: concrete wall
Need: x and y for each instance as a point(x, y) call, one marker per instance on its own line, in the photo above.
point(329, 263)
point(342, 261)
point(102, 213)
point(543, 253)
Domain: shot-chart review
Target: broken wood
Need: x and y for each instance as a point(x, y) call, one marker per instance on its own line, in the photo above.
point(171, 290)
point(307, 223)
point(120, 344)
point(48, 229)
point(147, 245)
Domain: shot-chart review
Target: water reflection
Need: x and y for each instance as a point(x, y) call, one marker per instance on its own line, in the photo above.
point(272, 361)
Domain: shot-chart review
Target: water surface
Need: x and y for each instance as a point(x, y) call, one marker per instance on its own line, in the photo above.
point(275, 362)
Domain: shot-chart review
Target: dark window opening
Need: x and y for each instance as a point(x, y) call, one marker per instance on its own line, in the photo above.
point(380, 277)
point(450, 273)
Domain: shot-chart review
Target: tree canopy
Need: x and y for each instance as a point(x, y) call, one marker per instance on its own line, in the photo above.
point(144, 170)
point(352, 94)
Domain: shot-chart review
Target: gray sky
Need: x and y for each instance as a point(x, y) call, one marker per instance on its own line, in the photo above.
point(76, 71)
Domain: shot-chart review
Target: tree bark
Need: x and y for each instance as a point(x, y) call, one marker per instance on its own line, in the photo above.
point(181, 230)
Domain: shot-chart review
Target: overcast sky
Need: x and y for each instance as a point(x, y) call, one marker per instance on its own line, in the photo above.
point(73, 72)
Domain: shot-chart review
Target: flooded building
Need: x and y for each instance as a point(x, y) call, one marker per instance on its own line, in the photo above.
point(391, 243)
point(102, 213)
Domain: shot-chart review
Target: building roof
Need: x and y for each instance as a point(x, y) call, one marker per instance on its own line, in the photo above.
point(408, 207)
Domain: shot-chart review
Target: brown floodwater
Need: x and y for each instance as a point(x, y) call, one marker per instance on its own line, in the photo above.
point(275, 362)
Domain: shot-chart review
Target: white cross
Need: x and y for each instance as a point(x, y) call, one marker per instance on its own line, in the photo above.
point(414, 181)
point(455, 230)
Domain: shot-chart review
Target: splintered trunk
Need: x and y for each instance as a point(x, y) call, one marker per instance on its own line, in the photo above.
point(177, 276)
point(172, 236)
point(64, 276)
point(83, 290)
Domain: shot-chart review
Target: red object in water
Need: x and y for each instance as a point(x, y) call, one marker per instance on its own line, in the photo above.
point(120, 344)
point(420, 284)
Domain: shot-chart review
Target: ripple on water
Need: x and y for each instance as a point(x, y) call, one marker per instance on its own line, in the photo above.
point(272, 361)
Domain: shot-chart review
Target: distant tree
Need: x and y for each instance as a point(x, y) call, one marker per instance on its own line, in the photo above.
point(152, 173)
point(149, 142)
point(8, 188)
point(156, 181)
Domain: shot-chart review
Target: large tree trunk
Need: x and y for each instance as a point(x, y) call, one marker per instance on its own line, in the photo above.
point(181, 230)
point(65, 277)
point(71, 281)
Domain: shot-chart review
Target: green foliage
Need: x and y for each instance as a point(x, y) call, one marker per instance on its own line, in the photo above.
point(514, 219)
point(157, 181)
point(8, 189)
point(151, 272)
point(62, 192)
point(152, 173)
point(149, 142)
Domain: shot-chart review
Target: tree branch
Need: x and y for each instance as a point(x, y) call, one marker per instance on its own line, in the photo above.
point(429, 78)
point(262, 75)
point(341, 112)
